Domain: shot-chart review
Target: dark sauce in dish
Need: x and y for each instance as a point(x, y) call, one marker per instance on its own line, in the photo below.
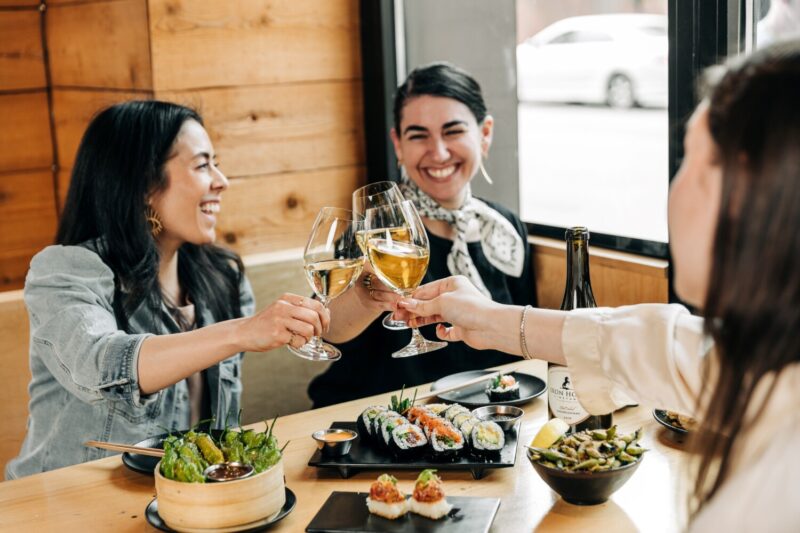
point(228, 472)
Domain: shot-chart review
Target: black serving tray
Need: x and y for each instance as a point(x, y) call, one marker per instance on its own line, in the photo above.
point(347, 511)
point(363, 456)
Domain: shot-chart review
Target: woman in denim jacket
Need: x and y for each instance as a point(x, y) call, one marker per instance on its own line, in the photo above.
point(138, 322)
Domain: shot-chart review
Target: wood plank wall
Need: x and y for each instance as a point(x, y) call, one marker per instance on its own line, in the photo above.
point(27, 196)
point(278, 84)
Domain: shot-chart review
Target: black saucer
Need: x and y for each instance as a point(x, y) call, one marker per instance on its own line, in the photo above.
point(151, 514)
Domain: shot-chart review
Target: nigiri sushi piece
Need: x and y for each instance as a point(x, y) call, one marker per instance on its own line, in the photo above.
point(385, 499)
point(428, 498)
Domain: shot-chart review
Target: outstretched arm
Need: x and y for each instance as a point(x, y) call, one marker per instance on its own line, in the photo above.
point(483, 323)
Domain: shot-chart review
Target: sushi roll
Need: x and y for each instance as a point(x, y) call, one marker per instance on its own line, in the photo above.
point(366, 419)
point(503, 388)
point(407, 441)
point(487, 439)
point(385, 499)
point(428, 499)
point(453, 410)
point(387, 426)
point(460, 418)
point(437, 408)
point(417, 412)
point(447, 442)
point(378, 420)
point(433, 423)
point(466, 428)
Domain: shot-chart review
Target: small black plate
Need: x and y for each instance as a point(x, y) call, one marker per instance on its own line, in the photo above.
point(151, 514)
point(475, 395)
point(661, 417)
point(145, 464)
point(363, 456)
point(347, 511)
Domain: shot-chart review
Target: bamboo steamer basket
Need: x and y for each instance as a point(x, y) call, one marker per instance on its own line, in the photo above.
point(199, 506)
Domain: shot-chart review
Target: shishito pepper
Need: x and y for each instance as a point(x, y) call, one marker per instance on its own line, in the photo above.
point(211, 453)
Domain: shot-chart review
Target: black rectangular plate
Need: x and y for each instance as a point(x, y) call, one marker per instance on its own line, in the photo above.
point(347, 511)
point(363, 456)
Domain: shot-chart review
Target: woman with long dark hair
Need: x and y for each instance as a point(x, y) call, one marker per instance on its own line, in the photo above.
point(734, 214)
point(138, 321)
point(442, 133)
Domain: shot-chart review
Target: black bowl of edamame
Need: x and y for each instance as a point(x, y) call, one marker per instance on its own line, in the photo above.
point(587, 467)
point(145, 464)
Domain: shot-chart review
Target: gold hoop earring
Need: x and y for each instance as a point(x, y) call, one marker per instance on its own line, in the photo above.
point(485, 174)
point(156, 226)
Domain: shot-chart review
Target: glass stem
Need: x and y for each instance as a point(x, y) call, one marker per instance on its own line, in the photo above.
point(416, 338)
point(316, 340)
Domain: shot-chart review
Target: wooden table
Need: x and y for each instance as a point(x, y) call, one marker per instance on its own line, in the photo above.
point(104, 495)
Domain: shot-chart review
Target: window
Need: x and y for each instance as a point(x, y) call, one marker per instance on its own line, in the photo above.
point(592, 118)
point(561, 157)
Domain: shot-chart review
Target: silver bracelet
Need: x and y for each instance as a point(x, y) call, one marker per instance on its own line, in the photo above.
point(523, 343)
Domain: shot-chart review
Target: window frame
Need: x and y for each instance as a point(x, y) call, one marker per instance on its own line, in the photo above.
point(700, 34)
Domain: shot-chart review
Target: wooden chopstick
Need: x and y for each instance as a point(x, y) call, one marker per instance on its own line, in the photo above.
point(461, 385)
point(114, 447)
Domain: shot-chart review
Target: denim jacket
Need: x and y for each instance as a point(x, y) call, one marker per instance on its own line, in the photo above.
point(85, 383)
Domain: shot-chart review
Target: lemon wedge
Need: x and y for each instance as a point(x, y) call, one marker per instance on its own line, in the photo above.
point(553, 430)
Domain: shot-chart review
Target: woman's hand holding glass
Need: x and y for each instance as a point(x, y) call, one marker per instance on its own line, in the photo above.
point(333, 262)
point(291, 319)
point(398, 250)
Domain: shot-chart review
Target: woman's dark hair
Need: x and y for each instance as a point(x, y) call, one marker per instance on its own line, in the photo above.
point(120, 162)
point(440, 79)
point(751, 307)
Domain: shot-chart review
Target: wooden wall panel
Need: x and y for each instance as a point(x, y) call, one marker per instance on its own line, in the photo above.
point(72, 112)
point(25, 141)
point(21, 56)
point(27, 202)
point(617, 279)
point(268, 213)
point(101, 44)
point(273, 129)
point(252, 42)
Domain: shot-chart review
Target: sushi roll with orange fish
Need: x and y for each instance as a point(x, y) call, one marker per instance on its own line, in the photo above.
point(385, 499)
point(428, 498)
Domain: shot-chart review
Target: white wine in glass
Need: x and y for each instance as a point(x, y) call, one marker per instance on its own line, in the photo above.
point(377, 194)
point(333, 261)
point(400, 263)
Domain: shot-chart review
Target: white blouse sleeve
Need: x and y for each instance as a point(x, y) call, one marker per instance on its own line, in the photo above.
point(651, 353)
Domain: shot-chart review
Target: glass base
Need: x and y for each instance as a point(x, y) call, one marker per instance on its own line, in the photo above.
point(419, 348)
point(317, 352)
point(394, 325)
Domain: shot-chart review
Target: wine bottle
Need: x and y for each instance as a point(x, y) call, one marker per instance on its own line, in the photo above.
point(561, 399)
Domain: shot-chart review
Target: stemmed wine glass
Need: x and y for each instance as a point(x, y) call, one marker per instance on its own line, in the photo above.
point(398, 250)
point(378, 194)
point(333, 261)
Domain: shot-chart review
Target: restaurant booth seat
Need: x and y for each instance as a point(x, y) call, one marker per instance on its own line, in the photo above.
point(15, 373)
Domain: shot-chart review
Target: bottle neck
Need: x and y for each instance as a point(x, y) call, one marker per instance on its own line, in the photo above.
point(578, 291)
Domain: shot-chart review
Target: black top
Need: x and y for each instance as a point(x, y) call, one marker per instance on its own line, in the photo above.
point(367, 367)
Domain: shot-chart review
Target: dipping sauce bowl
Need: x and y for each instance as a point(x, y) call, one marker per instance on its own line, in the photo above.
point(505, 416)
point(334, 442)
point(228, 472)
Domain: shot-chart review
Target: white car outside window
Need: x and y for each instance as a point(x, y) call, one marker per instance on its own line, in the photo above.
point(619, 60)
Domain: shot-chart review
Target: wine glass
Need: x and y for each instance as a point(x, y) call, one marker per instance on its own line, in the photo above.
point(398, 250)
point(375, 195)
point(333, 261)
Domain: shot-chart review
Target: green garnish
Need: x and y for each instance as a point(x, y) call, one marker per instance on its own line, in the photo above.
point(387, 478)
point(427, 476)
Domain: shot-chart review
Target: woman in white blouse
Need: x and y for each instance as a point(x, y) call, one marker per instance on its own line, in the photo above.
point(734, 214)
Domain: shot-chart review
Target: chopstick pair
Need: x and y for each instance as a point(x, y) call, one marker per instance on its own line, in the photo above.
point(461, 385)
point(116, 447)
